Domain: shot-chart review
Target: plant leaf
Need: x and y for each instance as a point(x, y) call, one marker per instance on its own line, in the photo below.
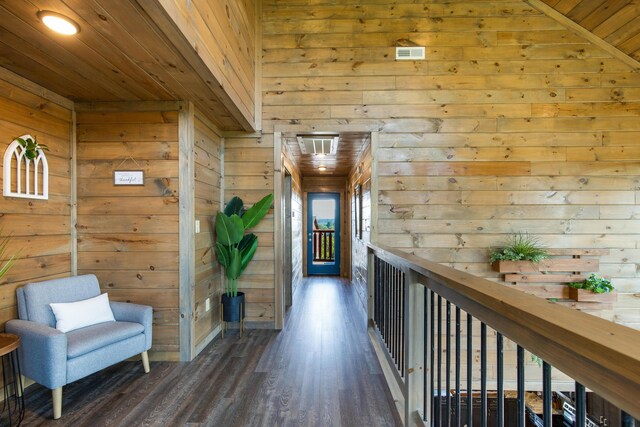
point(235, 206)
point(222, 252)
point(257, 211)
point(248, 252)
point(229, 230)
point(234, 269)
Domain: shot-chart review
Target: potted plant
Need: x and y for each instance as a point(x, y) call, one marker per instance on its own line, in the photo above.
point(31, 146)
point(520, 247)
point(593, 289)
point(235, 249)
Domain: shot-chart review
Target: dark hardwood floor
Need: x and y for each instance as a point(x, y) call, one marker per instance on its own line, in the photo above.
point(319, 371)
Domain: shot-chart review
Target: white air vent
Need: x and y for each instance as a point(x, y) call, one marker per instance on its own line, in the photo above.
point(410, 53)
point(320, 144)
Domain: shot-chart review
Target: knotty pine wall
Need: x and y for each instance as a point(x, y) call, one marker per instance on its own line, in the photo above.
point(513, 123)
point(208, 280)
point(248, 173)
point(40, 229)
point(360, 175)
point(224, 35)
point(298, 230)
point(128, 236)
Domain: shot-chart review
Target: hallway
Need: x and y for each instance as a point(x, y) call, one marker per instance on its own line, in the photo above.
point(319, 371)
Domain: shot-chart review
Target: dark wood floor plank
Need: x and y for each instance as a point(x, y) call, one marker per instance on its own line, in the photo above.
point(319, 371)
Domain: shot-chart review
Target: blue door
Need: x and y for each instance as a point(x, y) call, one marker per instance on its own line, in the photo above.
point(323, 233)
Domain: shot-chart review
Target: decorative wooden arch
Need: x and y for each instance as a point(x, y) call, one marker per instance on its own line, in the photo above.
point(25, 178)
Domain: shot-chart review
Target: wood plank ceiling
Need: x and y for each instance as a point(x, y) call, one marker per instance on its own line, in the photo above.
point(120, 54)
point(615, 21)
point(350, 146)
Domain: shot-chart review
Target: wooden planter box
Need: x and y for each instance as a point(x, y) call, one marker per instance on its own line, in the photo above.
point(547, 265)
point(584, 295)
point(548, 278)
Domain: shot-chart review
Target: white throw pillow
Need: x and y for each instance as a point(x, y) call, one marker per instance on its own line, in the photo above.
point(75, 315)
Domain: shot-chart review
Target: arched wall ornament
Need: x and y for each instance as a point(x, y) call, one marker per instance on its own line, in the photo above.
point(23, 177)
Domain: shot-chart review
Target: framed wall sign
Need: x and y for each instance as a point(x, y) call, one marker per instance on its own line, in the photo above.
point(130, 177)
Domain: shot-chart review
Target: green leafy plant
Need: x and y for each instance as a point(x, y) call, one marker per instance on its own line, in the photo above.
point(520, 247)
point(595, 284)
point(234, 249)
point(31, 147)
point(4, 243)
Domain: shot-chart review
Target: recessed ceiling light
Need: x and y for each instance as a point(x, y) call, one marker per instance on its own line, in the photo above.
point(59, 23)
point(322, 168)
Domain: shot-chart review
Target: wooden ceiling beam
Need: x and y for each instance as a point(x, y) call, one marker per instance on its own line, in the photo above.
point(583, 32)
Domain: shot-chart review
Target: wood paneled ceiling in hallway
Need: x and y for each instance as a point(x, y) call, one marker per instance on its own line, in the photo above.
point(125, 51)
point(350, 146)
point(615, 21)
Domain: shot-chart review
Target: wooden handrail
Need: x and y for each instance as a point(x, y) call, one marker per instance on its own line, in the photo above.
point(601, 355)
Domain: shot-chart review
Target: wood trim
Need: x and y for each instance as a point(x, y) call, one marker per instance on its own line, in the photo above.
point(278, 230)
point(187, 231)
point(258, 66)
point(74, 194)
point(160, 16)
point(205, 342)
point(34, 88)
point(602, 355)
point(389, 371)
point(375, 138)
point(132, 106)
point(241, 134)
point(583, 32)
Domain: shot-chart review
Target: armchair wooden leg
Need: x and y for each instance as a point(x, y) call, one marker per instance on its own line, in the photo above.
point(57, 402)
point(145, 362)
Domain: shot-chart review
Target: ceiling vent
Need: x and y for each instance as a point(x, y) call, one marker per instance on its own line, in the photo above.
point(412, 53)
point(318, 144)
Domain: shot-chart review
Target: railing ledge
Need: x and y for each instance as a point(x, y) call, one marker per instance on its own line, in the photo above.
point(602, 355)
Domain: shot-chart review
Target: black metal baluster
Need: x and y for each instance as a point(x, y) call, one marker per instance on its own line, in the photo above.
point(469, 370)
point(483, 374)
point(425, 388)
point(500, 378)
point(447, 412)
point(402, 310)
point(389, 300)
point(581, 405)
point(520, 369)
point(433, 363)
point(439, 364)
point(396, 280)
point(457, 402)
point(546, 394)
point(376, 292)
point(392, 333)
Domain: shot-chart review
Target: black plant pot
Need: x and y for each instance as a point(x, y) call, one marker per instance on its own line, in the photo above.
point(233, 308)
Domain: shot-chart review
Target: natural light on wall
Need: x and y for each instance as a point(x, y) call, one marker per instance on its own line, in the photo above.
point(59, 23)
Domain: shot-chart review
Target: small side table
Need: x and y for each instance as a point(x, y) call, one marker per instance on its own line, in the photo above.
point(13, 405)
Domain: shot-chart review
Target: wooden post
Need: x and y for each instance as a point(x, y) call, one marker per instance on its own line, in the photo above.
point(187, 230)
point(278, 230)
point(74, 196)
point(413, 345)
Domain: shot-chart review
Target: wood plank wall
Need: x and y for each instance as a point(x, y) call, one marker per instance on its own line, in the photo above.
point(208, 169)
point(128, 236)
point(298, 232)
point(513, 123)
point(360, 175)
point(248, 173)
point(224, 34)
point(328, 184)
point(40, 229)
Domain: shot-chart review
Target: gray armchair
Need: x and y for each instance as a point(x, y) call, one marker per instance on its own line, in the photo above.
point(53, 358)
